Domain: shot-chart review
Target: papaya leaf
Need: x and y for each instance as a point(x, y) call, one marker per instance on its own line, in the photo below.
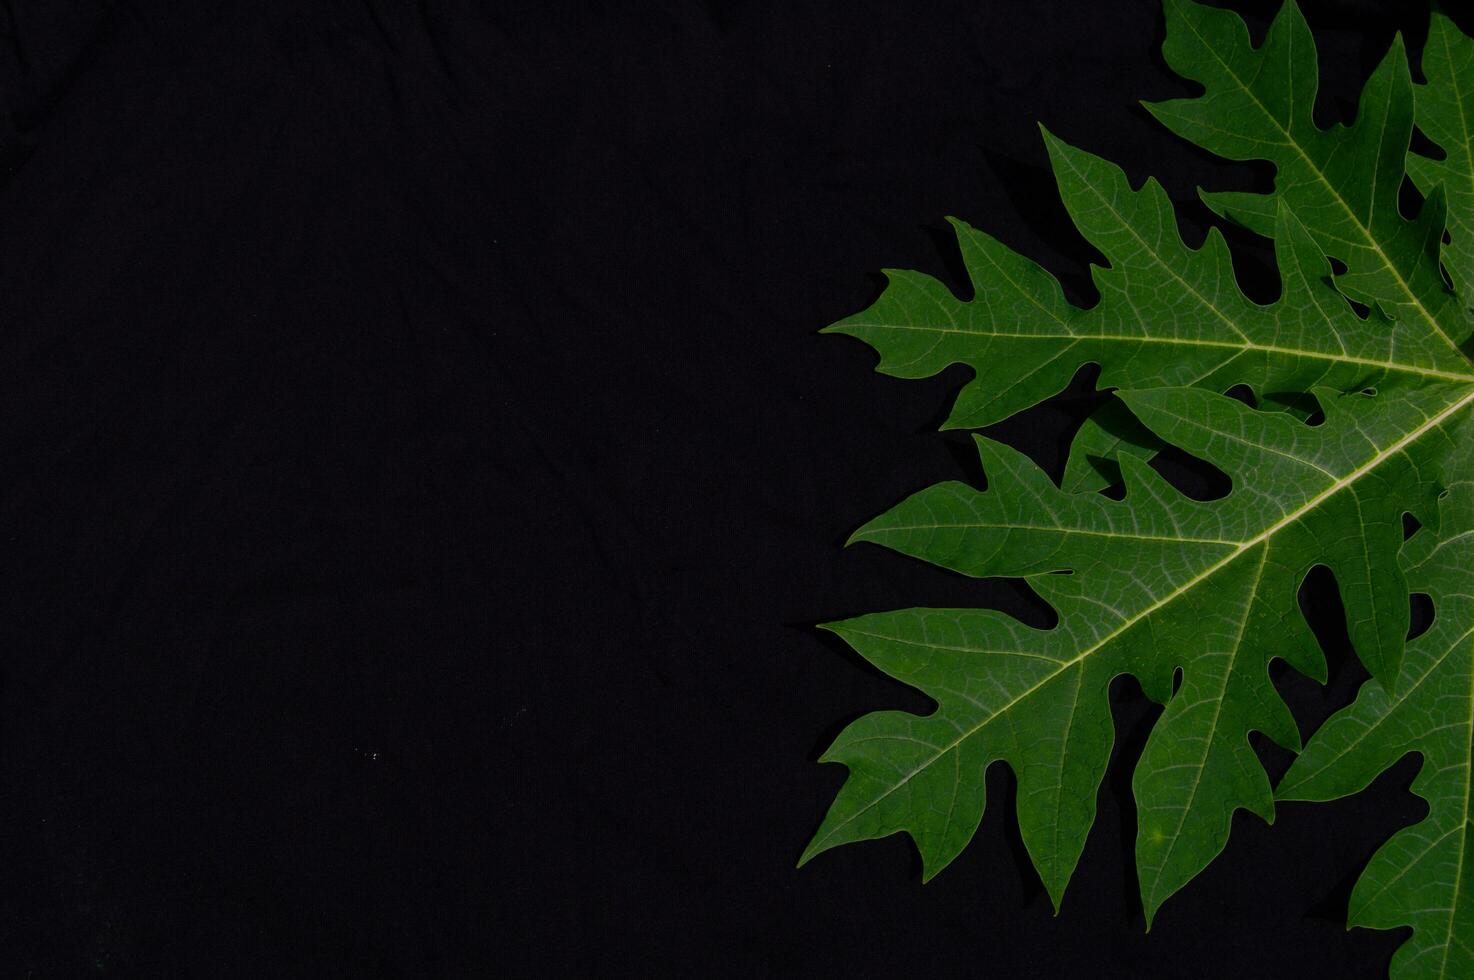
point(1343, 181)
point(1424, 875)
point(1445, 114)
point(1196, 598)
point(1168, 314)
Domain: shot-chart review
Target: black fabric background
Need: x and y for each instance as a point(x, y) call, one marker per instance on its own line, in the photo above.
point(421, 474)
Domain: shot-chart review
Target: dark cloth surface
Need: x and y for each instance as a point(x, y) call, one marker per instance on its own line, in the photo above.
point(422, 474)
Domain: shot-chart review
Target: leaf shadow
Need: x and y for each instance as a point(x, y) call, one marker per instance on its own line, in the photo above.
point(1002, 796)
point(1032, 191)
point(944, 240)
point(898, 696)
point(1061, 413)
point(1311, 702)
point(1133, 715)
point(1395, 786)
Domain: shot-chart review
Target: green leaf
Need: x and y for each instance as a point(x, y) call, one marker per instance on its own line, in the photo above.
point(1342, 181)
point(1168, 315)
point(1445, 114)
point(1424, 876)
point(1157, 582)
point(1196, 598)
point(1109, 433)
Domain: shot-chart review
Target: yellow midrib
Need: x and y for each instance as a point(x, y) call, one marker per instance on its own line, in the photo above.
point(1396, 366)
point(1046, 528)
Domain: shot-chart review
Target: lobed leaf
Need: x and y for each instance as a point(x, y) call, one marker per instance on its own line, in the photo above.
point(1445, 113)
point(1196, 598)
point(1343, 181)
point(1421, 877)
point(1157, 582)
